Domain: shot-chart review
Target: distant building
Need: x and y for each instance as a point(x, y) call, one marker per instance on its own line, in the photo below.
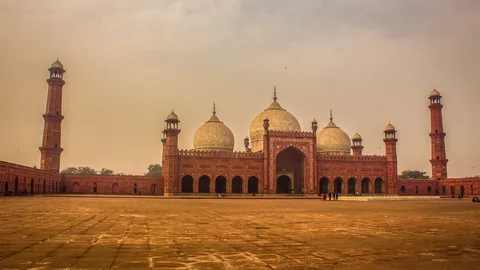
point(279, 158)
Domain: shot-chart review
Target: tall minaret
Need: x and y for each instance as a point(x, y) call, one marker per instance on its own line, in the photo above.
point(439, 157)
point(52, 130)
point(170, 155)
point(391, 155)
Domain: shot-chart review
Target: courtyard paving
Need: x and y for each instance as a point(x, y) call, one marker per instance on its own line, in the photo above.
point(149, 233)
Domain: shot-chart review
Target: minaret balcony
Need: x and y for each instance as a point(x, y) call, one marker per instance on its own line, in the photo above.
point(57, 117)
point(51, 149)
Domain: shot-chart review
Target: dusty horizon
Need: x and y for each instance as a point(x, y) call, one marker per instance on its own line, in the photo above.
point(128, 65)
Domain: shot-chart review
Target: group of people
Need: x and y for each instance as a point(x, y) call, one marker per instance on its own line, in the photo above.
point(330, 196)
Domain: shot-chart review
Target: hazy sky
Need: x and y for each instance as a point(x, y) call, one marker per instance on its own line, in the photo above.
point(129, 63)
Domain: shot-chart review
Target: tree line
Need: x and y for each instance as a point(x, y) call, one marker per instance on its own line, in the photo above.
point(154, 170)
point(409, 174)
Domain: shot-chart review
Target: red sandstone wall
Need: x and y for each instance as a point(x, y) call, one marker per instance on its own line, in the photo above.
point(470, 185)
point(449, 187)
point(113, 184)
point(228, 166)
point(418, 187)
point(345, 167)
point(19, 179)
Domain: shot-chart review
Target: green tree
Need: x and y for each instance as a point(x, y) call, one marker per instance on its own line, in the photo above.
point(70, 170)
point(105, 171)
point(154, 170)
point(79, 170)
point(408, 174)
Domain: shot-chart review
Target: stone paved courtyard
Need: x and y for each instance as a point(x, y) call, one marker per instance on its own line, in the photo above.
point(153, 233)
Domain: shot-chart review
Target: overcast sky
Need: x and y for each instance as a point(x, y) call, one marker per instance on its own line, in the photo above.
point(129, 63)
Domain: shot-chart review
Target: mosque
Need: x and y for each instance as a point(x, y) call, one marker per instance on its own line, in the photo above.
point(279, 158)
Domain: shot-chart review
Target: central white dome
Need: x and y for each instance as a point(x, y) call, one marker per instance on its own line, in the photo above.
point(279, 119)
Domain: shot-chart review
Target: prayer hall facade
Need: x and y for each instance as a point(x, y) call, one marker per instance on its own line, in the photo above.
point(279, 158)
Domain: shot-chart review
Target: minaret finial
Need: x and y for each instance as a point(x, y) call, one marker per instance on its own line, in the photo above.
point(274, 94)
point(214, 111)
point(331, 117)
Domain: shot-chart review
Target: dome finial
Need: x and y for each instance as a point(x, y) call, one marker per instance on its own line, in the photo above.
point(331, 117)
point(214, 111)
point(274, 94)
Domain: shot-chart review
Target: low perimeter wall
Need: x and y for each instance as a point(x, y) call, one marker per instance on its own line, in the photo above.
point(112, 184)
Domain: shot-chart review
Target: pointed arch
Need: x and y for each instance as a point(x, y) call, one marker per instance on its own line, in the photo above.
point(253, 184)
point(187, 184)
point(221, 184)
point(204, 184)
point(323, 185)
point(338, 185)
point(284, 184)
point(6, 187)
point(352, 185)
point(115, 188)
point(291, 163)
point(237, 184)
point(379, 185)
point(365, 185)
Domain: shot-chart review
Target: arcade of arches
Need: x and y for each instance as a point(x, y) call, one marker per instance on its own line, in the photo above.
point(220, 184)
point(284, 182)
point(352, 186)
point(25, 186)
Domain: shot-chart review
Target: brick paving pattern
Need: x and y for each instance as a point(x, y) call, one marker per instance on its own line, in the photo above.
point(150, 233)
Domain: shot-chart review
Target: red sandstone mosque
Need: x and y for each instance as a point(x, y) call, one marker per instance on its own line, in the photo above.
point(279, 158)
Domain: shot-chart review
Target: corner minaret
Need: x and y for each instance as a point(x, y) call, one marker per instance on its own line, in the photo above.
point(52, 130)
point(439, 157)
point(170, 155)
point(391, 155)
point(357, 146)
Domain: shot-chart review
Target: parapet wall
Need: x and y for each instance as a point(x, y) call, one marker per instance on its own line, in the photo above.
point(113, 184)
point(291, 134)
point(322, 157)
point(221, 154)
